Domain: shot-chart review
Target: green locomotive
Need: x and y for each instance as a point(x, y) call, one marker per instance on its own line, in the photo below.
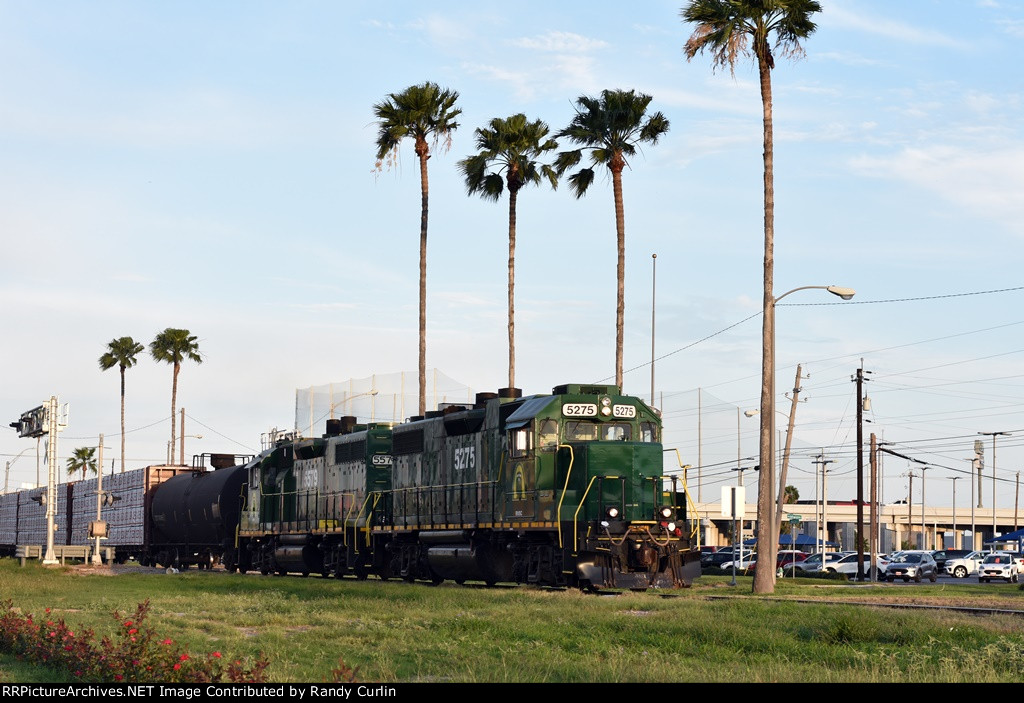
point(555, 490)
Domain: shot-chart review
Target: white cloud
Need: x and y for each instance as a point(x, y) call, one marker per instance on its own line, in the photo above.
point(560, 42)
point(843, 16)
point(988, 183)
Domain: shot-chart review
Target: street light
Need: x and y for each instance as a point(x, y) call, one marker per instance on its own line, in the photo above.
point(955, 545)
point(171, 442)
point(764, 579)
point(7, 471)
point(994, 435)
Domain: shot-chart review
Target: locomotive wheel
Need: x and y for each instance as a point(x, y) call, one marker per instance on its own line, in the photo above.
point(361, 572)
point(265, 571)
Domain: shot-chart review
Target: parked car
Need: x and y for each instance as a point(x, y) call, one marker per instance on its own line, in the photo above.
point(998, 565)
point(744, 561)
point(716, 559)
point(849, 563)
point(962, 567)
point(914, 564)
point(786, 558)
point(813, 561)
point(943, 555)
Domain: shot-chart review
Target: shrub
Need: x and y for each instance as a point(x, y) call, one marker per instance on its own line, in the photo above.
point(135, 654)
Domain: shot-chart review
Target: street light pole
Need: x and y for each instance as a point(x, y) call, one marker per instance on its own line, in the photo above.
point(764, 579)
point(994, 435)
point(955, 540)
point(654, 275)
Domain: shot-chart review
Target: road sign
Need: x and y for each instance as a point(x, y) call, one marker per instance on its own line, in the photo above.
point(794, 518)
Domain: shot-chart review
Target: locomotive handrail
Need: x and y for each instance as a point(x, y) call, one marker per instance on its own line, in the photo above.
point(575, 516)
point(572, 459)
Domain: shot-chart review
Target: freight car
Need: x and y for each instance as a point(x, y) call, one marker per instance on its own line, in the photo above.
point(563, 489)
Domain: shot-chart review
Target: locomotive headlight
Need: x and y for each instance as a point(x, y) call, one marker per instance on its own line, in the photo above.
point(613, 513)
point(606, 402)
point(671, 527)
point(666, 512)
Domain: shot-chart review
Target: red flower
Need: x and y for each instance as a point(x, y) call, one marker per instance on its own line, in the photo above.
point(167, 641)
point(132, 631)
point(128, 623)
point(184, 657)
point(177, 666)
point(118, 677)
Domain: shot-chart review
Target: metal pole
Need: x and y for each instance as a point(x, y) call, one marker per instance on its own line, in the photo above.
point(181, 452)
point(96, 560)
point(860, 472)
point(994, 435)
point(974, 539)
point(700, 451)
point(956, 542)
point(924, 525)
point(51, 486)
point(654, 274)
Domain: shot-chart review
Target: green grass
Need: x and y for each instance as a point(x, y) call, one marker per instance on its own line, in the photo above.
point(398, 632)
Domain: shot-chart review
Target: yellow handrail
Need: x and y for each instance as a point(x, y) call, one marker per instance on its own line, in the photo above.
point(572, 459)
point(695, 521)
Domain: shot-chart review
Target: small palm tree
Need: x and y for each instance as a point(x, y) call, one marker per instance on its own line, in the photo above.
point(509, 148)
point(426, 114)
point(174, 346)
point(121, 352)
point(82, 459)
point(728, 29)
point(611, 126)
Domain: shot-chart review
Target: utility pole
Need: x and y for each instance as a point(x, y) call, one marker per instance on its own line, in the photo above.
point(1016, 502)
point(785, 455)
point(873, 536)
point(861, 401)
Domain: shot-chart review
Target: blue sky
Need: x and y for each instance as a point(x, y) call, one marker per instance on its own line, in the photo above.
point(211, 166)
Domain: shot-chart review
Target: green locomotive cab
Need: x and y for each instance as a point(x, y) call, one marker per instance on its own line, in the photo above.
point(590, 460)
point(556, 490)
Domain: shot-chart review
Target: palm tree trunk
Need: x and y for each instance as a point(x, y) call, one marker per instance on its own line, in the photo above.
point(767, 543)
point(513, 194)
point(424, 190)
point(174, 401)
point(122, 417)
point(620, 270)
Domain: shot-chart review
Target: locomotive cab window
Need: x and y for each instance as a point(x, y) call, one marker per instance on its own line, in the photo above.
point(617, 432)
point(521, 441)
point(547, 435)
point(581, 431)
point(648, 432)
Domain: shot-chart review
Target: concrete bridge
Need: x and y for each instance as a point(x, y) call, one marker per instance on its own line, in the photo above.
point(899, 524)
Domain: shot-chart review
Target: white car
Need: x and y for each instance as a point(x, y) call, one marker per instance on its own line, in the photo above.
point(999, 566)
point(848, 565)
point(744, 561)
point(962, 567)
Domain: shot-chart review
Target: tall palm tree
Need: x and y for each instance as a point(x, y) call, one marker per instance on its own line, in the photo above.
point(510, 148)
point(82, 459)
point(728, 29)
point(611, 126)
point(121, 352)
point(174, 346)
point(426, 114)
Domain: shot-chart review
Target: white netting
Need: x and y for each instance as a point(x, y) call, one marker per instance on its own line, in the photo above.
point(390, 397)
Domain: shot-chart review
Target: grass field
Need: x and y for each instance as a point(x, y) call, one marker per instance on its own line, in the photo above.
point(395, 632)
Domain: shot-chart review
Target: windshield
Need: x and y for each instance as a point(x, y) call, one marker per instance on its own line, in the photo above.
point(998, 559)
point(907, 558)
